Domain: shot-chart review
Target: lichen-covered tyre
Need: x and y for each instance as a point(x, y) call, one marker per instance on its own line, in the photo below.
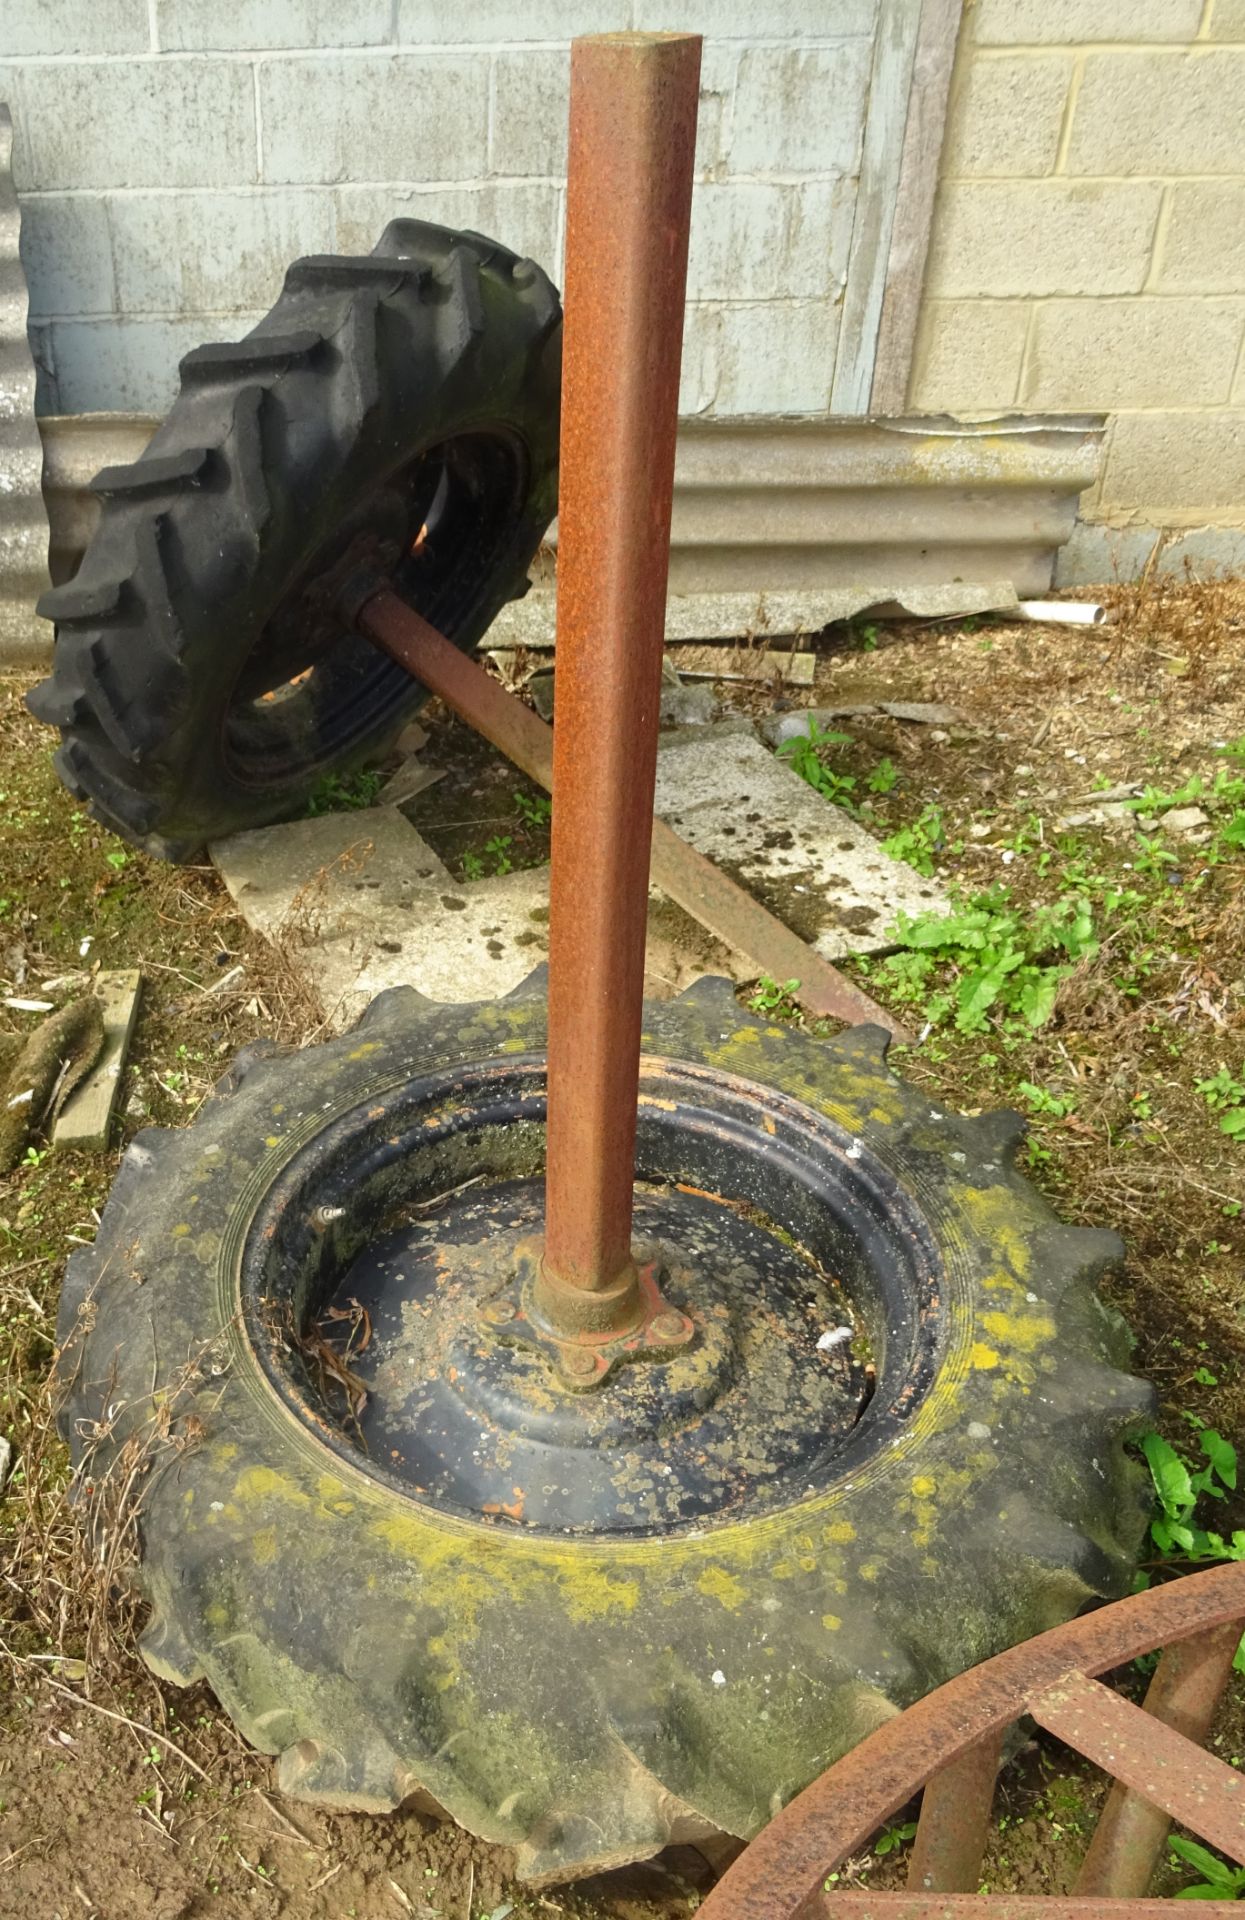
point(396, 412)
point(586, 1625)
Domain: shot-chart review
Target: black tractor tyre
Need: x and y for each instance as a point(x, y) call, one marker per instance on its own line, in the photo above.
point(589, 1697)
point(396, 412)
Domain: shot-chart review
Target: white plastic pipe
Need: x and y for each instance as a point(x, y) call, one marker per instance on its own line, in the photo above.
point(1058, 613)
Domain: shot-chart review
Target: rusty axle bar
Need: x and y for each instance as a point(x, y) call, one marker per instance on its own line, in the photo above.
point(633, 111)
point(629, 203)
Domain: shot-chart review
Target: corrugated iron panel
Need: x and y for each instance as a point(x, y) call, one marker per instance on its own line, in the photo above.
point(75, 448)
point(779, 525)
point(23, 521)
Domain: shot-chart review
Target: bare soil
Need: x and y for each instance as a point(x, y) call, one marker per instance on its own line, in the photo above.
point(122, 1797)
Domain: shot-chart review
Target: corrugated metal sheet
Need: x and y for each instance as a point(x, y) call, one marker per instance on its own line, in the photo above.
point(75, 448)
point(23, 521)
point(779, 525)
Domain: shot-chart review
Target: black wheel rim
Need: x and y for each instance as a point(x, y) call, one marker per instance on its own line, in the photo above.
point(311, 693)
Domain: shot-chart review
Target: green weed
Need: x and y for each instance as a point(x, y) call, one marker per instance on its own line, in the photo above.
point(918, 843)
point(344, 793)
point(494, 858)
point(892, 1839)
point(1180, 1485)
point(1219, 1881)
point(991, 955)
point(534, 809)
point(1224, 1094)
point(804, 756)
point(1041, 1100)
point(771, 996)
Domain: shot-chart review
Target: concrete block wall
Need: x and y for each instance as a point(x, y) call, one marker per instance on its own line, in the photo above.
point(1088, 252)
point(173, 156)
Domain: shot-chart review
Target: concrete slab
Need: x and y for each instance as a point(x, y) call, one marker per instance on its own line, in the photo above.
point(708, 615)
point(359, 902)
point(453, 943)
point(810, 863)
point(307, 874)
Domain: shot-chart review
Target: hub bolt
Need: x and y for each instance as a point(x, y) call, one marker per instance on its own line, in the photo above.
point(498, 1313)
point(578, 1362)
point(669, 1326)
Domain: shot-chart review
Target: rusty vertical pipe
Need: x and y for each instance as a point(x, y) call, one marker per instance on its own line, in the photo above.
point(632, 143)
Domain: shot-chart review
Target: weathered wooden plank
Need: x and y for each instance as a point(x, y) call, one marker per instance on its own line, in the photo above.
point(894, 49)
point(86, 1116)
point(914, 204)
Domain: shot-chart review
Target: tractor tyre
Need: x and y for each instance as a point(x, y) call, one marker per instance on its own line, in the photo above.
point(605, 1622)
point(397, 413)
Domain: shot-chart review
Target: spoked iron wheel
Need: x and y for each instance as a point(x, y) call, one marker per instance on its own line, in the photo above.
point(950, 1744)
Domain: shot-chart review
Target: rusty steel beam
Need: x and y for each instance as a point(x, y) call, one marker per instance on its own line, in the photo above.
point(782, 1874)
point(1001, 1906)
point(1128, 1838)
point(466, 688)
point(955, 1809)
point(1203, 1793)
point(719, 903)
point(629, 201)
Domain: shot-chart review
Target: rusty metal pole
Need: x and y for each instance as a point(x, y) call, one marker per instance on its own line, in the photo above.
point(632, 144)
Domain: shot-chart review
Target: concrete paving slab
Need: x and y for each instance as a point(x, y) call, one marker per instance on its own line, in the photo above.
point(311, 873)
point(359, 902)
point(810, 863)
point(452, 942)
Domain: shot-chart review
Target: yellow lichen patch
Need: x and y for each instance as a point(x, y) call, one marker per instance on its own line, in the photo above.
point(592, 1594)
point(739, 1045)
point(923, 1486)
point(992, 1211)
point(255, 1484)
point(448, 1677)
point(831, 1622)
point(869, 1570)
point(181, 1230)
point(981, 1358)
point(717, 1584)
point(924, 1515)
point(839, 1532)
point(513, 1045)
point(365, 1051)
point(264, 1546)
point(1023, 1331)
